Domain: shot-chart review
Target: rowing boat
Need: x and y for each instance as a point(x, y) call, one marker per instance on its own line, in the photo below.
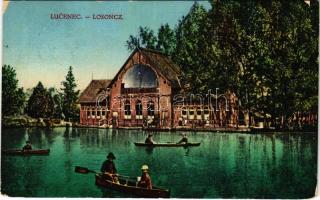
point(26, 152)
point(130, 187)
point(167, 144)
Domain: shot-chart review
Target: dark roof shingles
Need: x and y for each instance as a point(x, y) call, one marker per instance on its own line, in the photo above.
point(92, 91)
point(164, 65)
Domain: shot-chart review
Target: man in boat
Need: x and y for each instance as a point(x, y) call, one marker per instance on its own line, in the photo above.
point(145, 181)
point(184, 139)
point(108, 168)
point(27, 146)
point(149, 139)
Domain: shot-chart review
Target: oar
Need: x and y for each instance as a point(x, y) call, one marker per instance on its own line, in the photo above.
point(84, 170)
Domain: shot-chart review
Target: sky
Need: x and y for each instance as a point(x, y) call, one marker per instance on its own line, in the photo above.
point(42, 49)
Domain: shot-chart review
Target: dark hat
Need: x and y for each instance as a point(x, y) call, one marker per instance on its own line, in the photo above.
point(28, 141)
point(110, 155)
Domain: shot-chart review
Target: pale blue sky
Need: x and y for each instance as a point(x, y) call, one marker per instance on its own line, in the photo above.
point(41, 49)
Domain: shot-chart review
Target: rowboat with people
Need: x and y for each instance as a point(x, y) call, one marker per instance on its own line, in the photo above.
point(125, 184)
point(130, 187)
point(167, 144)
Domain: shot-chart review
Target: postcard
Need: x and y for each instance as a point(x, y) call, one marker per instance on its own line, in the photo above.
point(160, 99)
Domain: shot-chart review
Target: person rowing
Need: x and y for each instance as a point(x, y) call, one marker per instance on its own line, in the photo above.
point(184, 139)
point(27, 147)
point(149, 139)
point(108, 168)
point(145, 180)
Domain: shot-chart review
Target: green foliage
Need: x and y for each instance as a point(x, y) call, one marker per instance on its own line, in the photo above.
point(70, 96)
point(12, 97)
point(132, 43)
point(57, 101)
point(146, 39)
point(40, 103)
point(166, 39)
point(264, 51)
point(189, 48)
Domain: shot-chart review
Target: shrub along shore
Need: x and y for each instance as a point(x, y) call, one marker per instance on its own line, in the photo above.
point(25, 121)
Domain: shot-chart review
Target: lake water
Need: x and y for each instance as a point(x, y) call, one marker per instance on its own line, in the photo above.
point(225, 165)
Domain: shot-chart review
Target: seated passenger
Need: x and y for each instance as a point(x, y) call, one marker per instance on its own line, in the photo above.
point(145, 181)
point(109, 168)
point(184, 139)
point(27, 146)
point(149, 139)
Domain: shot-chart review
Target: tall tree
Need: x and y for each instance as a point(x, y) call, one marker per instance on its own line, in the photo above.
point(70, 96)
point(133, 42)
point(57, 101)
point(12, 97)
point(264, 51)
point(40, 103)
point(166, 39)
point(188, 48)
point(146, 38)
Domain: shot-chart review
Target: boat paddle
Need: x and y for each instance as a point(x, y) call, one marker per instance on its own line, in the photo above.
point(84, 170)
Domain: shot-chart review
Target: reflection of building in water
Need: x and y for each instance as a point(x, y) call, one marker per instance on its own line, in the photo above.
point(142, 94)
point(102, 138)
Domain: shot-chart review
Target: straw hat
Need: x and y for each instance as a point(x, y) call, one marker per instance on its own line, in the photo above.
point(144, 168)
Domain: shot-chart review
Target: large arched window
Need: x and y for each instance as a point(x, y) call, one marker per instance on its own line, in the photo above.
point(138, 110)
point(150, 109)
point(140, 76)
point(127, 110)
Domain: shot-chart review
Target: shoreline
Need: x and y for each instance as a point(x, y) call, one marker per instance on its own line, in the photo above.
point(28, 122)
point(213, 130)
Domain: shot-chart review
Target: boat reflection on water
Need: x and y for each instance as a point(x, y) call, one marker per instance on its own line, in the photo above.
point(107, 193)
point(187, 151)
point(149, 150)
point(225, 165)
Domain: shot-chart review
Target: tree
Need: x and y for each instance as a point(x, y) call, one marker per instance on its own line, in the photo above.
point(264, 51)
point(166, 40)
point(132, 43)
point(57, 101)
point(188, 49)
point(12, 97)
point(40, 103)
point(70, 96)
point(146, 38)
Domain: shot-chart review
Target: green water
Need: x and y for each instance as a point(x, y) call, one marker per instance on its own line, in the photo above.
point(225, 165)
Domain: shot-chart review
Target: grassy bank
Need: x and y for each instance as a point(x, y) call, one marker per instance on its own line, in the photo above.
point(26, 121)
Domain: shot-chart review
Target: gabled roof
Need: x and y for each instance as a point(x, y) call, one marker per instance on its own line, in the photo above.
point(164, 65)
point(90, 94)
point(161, 63)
